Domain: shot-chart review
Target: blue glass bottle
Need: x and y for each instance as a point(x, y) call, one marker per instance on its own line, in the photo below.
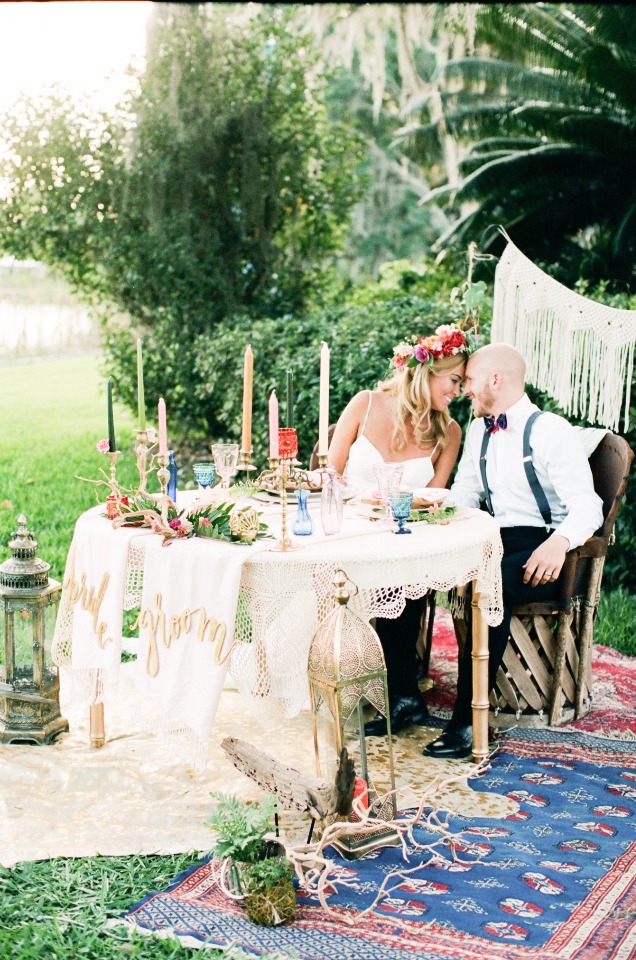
point(172, 482)
point(303, 524)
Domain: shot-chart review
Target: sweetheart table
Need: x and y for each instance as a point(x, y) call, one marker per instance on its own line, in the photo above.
point(209, 606)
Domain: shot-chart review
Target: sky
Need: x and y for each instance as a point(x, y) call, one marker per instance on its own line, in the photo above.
point(76, 43)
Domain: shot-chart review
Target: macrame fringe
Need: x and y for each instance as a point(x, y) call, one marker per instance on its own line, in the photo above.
point(91, 685)
point(191, 747)
point(578, 351)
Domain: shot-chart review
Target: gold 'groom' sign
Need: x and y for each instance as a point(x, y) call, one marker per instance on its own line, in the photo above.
point(164, 630)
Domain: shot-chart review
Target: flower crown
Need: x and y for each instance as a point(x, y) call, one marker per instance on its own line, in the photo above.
point(447, 341)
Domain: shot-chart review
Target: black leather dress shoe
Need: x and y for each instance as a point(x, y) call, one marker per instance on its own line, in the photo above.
point(455, 743)
point(404, 711)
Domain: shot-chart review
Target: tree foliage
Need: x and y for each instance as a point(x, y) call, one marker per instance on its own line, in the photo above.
point(547, 111)
point(219, 187)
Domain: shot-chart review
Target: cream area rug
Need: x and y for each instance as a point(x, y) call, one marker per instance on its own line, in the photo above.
point(137, 795)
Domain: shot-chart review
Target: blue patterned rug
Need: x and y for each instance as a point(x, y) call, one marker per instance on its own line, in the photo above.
point(555, 880)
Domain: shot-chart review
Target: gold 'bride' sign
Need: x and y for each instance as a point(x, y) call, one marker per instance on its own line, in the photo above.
point(163, 630)
point(91, 600)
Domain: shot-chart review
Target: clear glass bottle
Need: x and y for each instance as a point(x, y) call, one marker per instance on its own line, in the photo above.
point(172, 482)
point(331, 503)
point(303, 524)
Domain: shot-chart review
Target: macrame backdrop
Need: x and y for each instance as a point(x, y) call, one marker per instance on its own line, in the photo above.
point(579, 352)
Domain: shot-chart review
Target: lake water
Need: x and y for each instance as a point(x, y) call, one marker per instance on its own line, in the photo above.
point(29, 329)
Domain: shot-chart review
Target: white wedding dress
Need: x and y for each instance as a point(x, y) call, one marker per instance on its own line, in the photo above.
point(363, 455)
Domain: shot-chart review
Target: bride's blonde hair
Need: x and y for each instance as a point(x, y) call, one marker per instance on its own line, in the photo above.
point(410, 387)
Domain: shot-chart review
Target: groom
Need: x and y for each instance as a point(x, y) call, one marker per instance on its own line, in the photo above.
point(538, 487)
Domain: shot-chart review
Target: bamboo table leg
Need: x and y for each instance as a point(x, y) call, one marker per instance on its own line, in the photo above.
point(480, 681)
point(97, 731)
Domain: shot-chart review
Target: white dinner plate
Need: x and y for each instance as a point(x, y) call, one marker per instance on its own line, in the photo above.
point(428, 495)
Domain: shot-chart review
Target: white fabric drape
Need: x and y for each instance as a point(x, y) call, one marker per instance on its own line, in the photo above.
point(579, 352)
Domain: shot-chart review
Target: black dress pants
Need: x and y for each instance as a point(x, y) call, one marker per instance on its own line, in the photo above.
point(399, 640)
point(518, 544)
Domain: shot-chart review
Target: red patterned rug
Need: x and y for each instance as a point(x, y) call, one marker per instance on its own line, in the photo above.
point(554, 881)
point(613, 710)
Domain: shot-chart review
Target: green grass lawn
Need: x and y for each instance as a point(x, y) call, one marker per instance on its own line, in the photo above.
point(52, 413)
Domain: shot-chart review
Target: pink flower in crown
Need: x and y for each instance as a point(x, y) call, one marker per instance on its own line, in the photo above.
point(402, 353)
point(103, 446)
point(444, 330)
point(422, 354)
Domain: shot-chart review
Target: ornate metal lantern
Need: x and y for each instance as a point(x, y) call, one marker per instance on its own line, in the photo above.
point(29, 681)
point(346, 669)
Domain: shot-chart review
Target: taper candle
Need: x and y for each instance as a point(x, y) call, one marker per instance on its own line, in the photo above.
point(112, 445)
point(323, 415)
point(273, 426)
point(141, 402)
point(290, 398)
point(248, 377)
point(163, 433)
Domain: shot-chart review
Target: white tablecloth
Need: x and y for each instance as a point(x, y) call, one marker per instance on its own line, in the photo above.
point(279, 602)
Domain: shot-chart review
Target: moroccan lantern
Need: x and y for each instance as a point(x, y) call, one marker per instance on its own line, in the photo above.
point(346, 669)
point(29, 681)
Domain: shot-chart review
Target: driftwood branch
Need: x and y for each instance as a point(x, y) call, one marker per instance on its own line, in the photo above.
point(294, 789)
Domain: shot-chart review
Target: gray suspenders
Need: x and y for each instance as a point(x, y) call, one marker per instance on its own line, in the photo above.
point(535, 486)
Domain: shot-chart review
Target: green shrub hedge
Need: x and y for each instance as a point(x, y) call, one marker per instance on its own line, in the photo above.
point(361, 329)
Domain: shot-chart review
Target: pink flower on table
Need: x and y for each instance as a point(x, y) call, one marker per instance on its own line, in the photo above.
point(103, 446)
point(204, 522)
point(181, 526)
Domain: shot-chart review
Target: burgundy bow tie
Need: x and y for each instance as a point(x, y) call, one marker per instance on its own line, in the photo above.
point(493, 425)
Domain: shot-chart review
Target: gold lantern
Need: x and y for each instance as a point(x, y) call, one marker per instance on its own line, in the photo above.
point(29, 681)
point(346, 669)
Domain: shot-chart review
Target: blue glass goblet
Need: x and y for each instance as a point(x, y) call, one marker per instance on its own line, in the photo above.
point(204, 473)
point(401, 504)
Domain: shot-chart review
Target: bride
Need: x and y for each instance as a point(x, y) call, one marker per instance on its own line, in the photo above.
point(404, 420)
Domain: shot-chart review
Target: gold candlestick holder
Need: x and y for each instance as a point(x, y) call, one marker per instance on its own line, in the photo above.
point(245, 457)
point(163, 474)
point(112, 456)
point(322, 462)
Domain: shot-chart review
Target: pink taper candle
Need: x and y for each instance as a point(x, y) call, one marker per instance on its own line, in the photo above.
point(248, 373)
point(273, 426)
point(163, 433)
point(323, 416)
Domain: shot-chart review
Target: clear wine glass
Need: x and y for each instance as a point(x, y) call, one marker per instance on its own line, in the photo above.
point(204, 473)
point(388, 477)
point(401, 504)
point(225, 460)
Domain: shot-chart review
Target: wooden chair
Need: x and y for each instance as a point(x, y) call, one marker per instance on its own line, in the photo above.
point(546, 676)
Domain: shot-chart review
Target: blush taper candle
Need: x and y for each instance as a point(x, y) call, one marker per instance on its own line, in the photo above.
point(273, 426)
point(163, 432)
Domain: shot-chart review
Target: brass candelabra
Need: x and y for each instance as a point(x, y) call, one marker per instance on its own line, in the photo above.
point(282, 473)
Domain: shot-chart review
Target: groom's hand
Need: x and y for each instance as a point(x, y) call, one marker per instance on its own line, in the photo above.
point(544, 565)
